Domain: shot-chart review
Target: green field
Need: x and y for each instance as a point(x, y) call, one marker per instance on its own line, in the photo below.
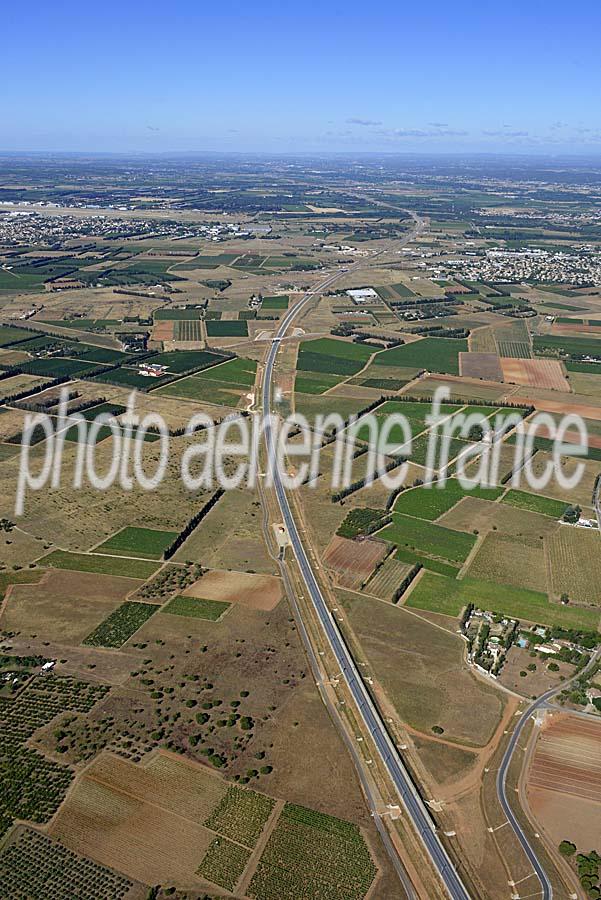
point(428, 538)
point(227, 328)
point(536, 503)
point(433, 354)
point(117, 628)
point(277, 301)
point(129, 378)
point(180, 361)
point(175, 314)
point(568, 345)
point(56, 367)
point(207, 262)
point(315, 382)
point(146, 543)
point(100, 565)
point(415, 413)
point(411, 557)
point(432, 502)
point(222, 384)
point(196, 608)
point(449, 597)
point(313, 855)
point(583, 367)
point(9, 335)
point(326, 355)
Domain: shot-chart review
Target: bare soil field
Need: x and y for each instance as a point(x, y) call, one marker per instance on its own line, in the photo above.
point(460, 389)
point(163, 330)
point(582, 492)
point(421, 669)
point(575, 561)
point(564, 328)
point(64, 606)
point(537, 373)
point(472, 513)
point(353, 561)
point(230, 536)
point(564, 780)
point(80, 519)
point(253, 591)
point(531, 683)
point(562, 407)
point(481, 365)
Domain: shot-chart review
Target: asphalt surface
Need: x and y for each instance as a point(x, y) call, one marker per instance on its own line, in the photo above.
point(410, 798)
point(540, 703)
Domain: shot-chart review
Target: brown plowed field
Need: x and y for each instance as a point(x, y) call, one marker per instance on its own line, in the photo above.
point(567, 758)
point(563, 406)
point(353, 561)
point(538, 373)
point(244, 588)
point(564, 782)
point(481, 365)
point(163, 331)
point(565, 329)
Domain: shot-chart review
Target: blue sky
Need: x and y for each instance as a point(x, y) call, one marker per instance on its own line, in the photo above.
point(389, 76)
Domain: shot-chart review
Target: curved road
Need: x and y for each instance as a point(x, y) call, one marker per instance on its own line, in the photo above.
point(410, 798)
point(540, 703)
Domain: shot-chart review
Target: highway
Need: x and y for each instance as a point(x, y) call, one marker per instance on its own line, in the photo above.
point(409, 797)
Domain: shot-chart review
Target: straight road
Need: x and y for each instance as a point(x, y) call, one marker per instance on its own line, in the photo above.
point(410, 798)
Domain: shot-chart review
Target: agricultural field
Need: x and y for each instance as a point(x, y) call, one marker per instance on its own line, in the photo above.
point(332, 357)
point(187, 330)
point(432, 502)
point(241, 815)
point(224, 862)
point(432, 354)
point(221, 385)
point(448, 597)
point(427, 538)
point(146, 543)
point(177, 314)
point(101, 565)
point(563, 781)
point(536, 503)
point(353, 561)
point(309, 854)
point(535, 373)
point(121, 624)
point(278, 301)
point(196, 608)
point(247, 589)
point(480, 365)
point(10, 335)
point(575, 563)
point(228, 328)
point(50, 596)
point(56, 367)
point(385, 581)
point(506, 561)
point(574, 347)
point(31, 785)
point(33, 865)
